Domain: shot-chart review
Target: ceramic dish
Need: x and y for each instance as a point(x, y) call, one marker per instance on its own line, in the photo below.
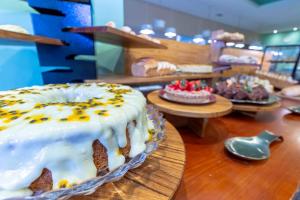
point(163, 95)
point(272, 99)
point(294, 109)
point(252, 148)
point(90, 186)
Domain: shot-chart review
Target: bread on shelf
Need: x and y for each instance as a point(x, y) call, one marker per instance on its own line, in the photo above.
point(147, 66)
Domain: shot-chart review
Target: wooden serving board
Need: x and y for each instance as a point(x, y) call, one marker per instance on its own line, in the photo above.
point(158, 178)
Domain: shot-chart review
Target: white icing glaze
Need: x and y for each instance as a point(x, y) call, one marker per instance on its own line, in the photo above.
point(28, 145)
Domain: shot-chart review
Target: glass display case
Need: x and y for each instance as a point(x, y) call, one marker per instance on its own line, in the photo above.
point(282, 59)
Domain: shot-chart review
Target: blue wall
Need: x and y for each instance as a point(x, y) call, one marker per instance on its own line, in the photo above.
point(19, 65)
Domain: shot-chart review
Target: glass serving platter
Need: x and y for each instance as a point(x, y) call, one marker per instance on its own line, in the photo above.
point(90, 186)
point(272, 99)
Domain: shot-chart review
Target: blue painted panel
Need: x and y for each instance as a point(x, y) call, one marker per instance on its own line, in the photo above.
point(75, 14)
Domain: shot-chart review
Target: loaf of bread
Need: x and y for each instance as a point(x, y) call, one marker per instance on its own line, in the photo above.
point(150, 67)
point(292, 91)
point(145, 66)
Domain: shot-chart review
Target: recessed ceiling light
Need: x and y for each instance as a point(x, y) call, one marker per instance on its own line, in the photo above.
point(295, 29)
point(275, 31)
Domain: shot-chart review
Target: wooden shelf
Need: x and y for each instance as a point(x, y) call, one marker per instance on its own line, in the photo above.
point(115, 36)
point(132, 80)
point(229, 64)
point(29, 38)
point(282, 61)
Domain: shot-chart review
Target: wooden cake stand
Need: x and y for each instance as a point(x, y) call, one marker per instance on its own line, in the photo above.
point(256, 108)
point(194, 116)
point(157, 178)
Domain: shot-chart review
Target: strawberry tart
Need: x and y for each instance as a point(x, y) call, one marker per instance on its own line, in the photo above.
point(189, 92)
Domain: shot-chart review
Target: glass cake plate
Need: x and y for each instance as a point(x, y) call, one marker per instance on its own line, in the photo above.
point(90, 186)
point(272, 99)
point(164, 95)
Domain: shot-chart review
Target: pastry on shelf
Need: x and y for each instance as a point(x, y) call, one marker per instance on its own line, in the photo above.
point(190, 92)
point(226, 36)
point(292, 91)
point(150, 67)
point(57, 136)
point(111, 24)
point(13, 28)
point(244, 88)
point(230, 59)
point(195, 68)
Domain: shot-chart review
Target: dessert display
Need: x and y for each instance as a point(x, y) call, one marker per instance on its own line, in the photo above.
point(57, 136)
point(280, 77)
point(244, 88)
point(189, 92)
point(150, 67)
point(13, 28)
point(238, 60)
point(226, 36)
point(195, 68)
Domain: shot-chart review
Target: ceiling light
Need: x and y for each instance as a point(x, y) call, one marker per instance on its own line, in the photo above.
point(254, 47)
point(275, 31)
point(198, 39)
point(147, 29)
point(295, 29)
point(230, 44)
point(240, 45)
point(209, 41)
point(170, 32)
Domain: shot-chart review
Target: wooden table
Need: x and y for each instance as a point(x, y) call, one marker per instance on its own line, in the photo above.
point(195, 116)
point(212, 173)
point(158, 178)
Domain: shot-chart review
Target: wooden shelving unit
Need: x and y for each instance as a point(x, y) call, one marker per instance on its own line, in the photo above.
point(115, 36)
point(29, 38)
point(132, 80)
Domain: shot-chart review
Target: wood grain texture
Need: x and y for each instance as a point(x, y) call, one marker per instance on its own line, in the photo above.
point(29, 38)
point(177, 53)
point(158, 178)
point(115, 36)
point(221, 107)
point(212, 173)
point(132, 80)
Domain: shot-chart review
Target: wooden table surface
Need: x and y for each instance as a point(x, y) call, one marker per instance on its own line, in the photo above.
point(157, 178)
point(221, 107)
point(212, 173)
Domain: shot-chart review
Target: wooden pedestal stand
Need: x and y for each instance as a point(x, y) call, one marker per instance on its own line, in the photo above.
point(253, 110)
point(194, 116)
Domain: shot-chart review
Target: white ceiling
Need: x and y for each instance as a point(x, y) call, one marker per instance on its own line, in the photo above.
point(282, 15)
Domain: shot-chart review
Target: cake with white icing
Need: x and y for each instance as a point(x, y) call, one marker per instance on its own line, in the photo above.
point(55, 136)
